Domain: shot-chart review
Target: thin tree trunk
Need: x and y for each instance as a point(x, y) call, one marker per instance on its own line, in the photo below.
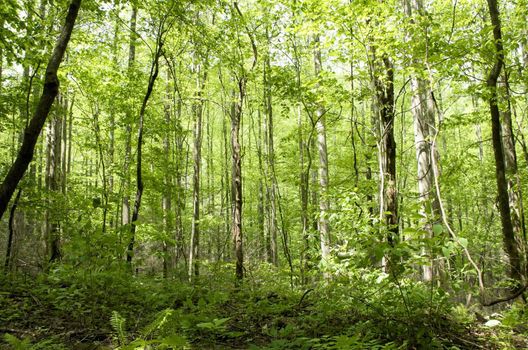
point(139, 175)
point(53, 177)
point(236, 178)
point(32, 132)
point(194, 245)
point(125, 214)
point(270, 157)
point(167, 183)
point(383, 109)
point(424, 125)
point(512, 175)
point(11, 234)
point(324, 229)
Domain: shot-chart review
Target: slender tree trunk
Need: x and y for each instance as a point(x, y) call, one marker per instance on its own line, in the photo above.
point(125, 214)
point(100, 151)
point(1, 57)
point(194, 245)
point(166, 200)
point(270, 158)
point(53, 181)
point(33, 130)
point(512, 174)
point(236, 177)
point(422, 108)
point(11, 234)
point(510, 243)
point(383, 109)
point(139, 175)
point(226, 178)
point(324, 229)
point(262, 207)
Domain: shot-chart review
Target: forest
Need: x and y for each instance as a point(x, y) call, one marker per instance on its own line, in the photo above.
point(263, 174)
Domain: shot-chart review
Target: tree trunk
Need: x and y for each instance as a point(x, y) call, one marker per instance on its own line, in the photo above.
point(508, 233)
point(236, 177)
point(139, 175)
point(33, 130)
point(125, 214)
point(167, 182)
point(324, 229)
point(194, 245)
point(53, 181)
point(512, 175)
point(11, 234)
point(270, 158)
point(422, 108)
point(383, 109)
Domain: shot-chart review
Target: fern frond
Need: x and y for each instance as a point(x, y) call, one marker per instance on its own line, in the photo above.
point(161, 319)
point(118, 324)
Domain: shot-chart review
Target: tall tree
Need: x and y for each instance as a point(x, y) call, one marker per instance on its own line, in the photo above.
point(422, 109)
point(125, 214)
point(201, 76)
point(236, 152)
point(324, 228)
point(382, 70)
point(154, 70)
point(510, 243)
point(33, 130)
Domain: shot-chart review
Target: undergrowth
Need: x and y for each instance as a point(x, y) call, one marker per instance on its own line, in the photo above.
point(79, 309)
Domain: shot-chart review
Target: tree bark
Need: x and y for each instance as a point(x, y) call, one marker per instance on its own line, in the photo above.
point(194, 245)
point(154, 69)
point(33, 130)
point(236, 178)
point(510, 244)
point(324, 229)
point(125, 213)
point(422, 109)
point(383, 109)
point(270, 161)
point(11, 234)
point(512, 174)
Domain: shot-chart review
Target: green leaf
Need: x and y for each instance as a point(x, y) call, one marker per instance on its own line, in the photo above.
point(438, 229)
point(176, 341)
point(463, 242)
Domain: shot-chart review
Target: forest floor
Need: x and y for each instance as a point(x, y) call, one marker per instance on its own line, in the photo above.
point(80, 309)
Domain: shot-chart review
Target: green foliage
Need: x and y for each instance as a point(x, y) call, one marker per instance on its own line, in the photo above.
point(118, 325)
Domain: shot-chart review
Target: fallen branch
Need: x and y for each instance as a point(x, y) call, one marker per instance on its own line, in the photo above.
point(515, 295)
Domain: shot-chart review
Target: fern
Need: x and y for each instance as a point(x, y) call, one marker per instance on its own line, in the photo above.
point(161, 319)
point(118, 324)
point(17, 344)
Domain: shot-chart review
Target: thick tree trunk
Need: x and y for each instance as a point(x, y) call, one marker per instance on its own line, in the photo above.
point(33, 130)
point(510, 243)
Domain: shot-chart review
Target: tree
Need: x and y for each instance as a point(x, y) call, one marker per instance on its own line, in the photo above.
point(154, 70)
point(422, 108)
point(510, 243)
point(324, 229)
point(50, 91)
